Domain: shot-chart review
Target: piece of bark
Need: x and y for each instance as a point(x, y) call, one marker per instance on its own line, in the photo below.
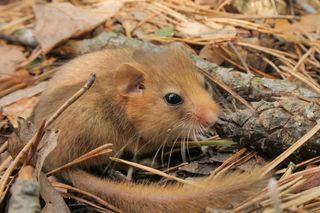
point(54, 200)
point(272, 127)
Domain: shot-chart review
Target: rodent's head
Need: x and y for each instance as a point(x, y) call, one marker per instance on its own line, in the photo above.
point(166, 97)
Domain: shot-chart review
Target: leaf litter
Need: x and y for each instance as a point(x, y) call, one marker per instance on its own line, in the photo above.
point(272, 40)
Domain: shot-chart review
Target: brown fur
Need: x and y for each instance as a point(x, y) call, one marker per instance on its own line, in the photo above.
point(115, 110)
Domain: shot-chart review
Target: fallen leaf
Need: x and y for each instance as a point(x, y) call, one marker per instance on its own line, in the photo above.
point(23, 93)
point(53, 199)
point(197, 168)
point(20, 137)
point(310, 182)
point(212, 54)
point(164, 32)
point(48, 143)
point(57, 22)
point(307, 24)
point(8, 80)
point(22, 108)
point(210, 30)
point(11, 56)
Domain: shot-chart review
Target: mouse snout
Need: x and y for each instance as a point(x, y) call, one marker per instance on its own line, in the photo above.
point(206, 116)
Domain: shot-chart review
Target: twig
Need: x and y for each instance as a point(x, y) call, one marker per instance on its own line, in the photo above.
point(94, 153)
point(4, 163)
point(86, 202)
point(152, 170)
point(244, 64)
point(58, 185)
point(226, 88)
point(3, 147)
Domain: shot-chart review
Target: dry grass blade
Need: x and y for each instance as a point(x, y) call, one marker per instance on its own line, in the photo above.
point(302, 173)
point(288, 171)
point(82, 200)
point(244, 64)
point(3, 147)
point(310, 161)
point(220, 142)
point(16, 22)
point(230, 160)
point(151, 170)
point(264, 195)
point(58, 186)
point(302, 198)
point(28, 83)
point(226, 88)
point(291, 149)
point(277, 53)
point(104, 149)
point(5, 163)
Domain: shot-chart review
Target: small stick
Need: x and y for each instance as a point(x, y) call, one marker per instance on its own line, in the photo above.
point(244, 64)
point(229, 161)
point(87, 202)
point(58, 185)
point(5, 163)
point(104, 149)
point(4, 147)
point(227, 88)
point(152, 170)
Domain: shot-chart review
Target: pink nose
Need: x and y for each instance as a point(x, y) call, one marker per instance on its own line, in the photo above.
point(207, 116)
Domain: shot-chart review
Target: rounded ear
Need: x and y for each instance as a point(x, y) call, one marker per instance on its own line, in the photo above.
point(129, 80)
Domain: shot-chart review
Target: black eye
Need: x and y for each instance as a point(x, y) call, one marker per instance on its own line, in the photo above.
point(173, 99)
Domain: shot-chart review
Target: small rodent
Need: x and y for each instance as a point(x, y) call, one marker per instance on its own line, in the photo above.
point(140, 101)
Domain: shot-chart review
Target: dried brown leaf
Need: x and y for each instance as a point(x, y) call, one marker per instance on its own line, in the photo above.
point(311, 182)
point(23, 93)
point(197, 168)
point(53, 199)
point(212, 54)
point(307, 24)
point(11, 56)
point(56, 22)
point(210, 30)
point(48, 143)
point(9, 80)
point(22, 134)
point(22, 108)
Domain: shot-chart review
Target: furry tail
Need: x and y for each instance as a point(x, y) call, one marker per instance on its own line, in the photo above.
point(221, 192)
